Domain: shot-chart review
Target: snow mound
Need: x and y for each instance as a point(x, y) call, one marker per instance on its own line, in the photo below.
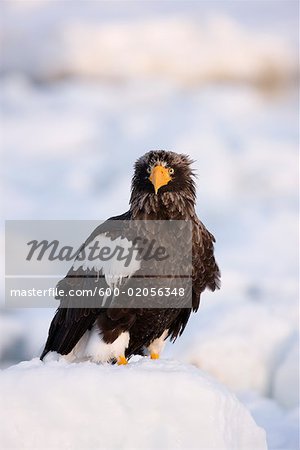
point(146, 404)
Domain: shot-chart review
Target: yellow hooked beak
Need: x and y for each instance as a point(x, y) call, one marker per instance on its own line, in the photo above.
point(159, 177)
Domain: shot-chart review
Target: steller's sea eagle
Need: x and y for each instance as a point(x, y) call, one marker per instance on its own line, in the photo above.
point(163, 189)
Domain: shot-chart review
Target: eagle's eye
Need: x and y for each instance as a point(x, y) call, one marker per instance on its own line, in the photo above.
point(171, 170)
point(149, 169)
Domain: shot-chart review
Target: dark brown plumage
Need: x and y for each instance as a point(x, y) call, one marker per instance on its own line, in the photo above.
point(171, 176)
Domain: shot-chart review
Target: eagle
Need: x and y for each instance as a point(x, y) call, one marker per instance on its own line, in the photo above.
point(162, 191)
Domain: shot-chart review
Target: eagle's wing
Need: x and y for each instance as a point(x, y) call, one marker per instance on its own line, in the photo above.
point(73, 318)
point(206, 274)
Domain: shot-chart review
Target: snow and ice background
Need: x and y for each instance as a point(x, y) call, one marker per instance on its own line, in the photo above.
point(86, 88)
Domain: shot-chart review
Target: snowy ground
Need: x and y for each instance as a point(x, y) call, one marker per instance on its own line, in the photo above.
point(153, 404)
point(71, 137)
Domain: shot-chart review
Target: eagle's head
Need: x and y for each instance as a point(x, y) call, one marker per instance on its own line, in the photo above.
point(159, 172)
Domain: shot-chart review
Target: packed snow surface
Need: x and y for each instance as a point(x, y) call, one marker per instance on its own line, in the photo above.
point(146, 404)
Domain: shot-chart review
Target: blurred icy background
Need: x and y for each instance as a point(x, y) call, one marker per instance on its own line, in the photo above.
point(87, 87)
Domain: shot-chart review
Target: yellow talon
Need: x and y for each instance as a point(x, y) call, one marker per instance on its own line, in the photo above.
point(154, 355)
point(122, 361)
